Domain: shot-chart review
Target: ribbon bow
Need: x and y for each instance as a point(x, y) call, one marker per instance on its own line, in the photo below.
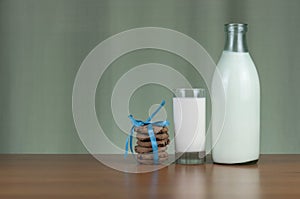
point(137, 123)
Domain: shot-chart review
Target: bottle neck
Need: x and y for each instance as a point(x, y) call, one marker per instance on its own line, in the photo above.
point(236, 42)
point(236, 37)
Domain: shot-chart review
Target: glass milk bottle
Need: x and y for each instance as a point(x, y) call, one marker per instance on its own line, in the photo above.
point(238, 140)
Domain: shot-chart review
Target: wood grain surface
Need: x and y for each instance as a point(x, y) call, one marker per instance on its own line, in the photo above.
point(82, 176)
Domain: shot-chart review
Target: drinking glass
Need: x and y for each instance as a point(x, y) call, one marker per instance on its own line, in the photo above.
point(189, 106)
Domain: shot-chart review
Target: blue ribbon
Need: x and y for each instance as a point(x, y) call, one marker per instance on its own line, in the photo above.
point(137, 123)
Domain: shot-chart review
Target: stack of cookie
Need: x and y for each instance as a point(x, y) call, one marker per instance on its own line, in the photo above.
point(144, 146)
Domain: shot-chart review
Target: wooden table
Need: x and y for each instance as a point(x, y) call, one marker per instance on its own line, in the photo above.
point(82, 176)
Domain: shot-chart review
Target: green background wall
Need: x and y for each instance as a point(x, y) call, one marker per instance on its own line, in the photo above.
point(43, 42)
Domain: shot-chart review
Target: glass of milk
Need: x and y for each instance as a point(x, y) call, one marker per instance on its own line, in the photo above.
point(189, 123)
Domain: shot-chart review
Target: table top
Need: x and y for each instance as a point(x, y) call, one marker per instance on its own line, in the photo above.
point(82, 176)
